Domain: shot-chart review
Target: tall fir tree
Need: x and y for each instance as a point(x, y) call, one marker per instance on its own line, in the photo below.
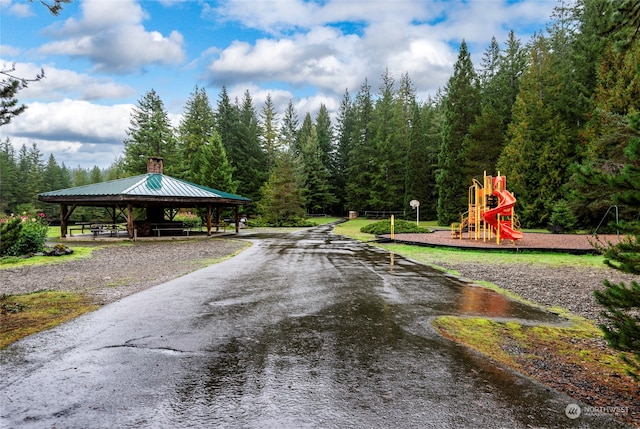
point(250, 170)
point(289, 128)
point(314, 176)
point(388, 169)
point(8, 177)
point(621, 302)
point(149, 134)
point(344, 133)
point(281, 196)
point(462, 106)
point(195, 130)
point(361, 152)
point(269, 136)
point(541, 146)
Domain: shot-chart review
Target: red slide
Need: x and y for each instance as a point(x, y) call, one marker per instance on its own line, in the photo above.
point(507, 200)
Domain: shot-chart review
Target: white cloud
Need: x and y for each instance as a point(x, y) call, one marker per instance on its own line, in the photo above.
point(9, 51)
point(113, 38)
point(71, 120)
point(61, 83)
point(21, 10)
point(76, 132)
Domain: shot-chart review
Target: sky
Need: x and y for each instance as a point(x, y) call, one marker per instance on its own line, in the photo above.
point(101, 56)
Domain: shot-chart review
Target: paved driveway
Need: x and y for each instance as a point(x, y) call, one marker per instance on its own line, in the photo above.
point(301, 330)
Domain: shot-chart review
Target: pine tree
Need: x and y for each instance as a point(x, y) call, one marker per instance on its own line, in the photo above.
point(282, 202)
point(622, 302)
point(324, 132)
point(289, 128)
point(196, 129)
point(540, 143)
point(462, 106)
point(210, 167)
point(344, 133)
point(8, 178)
point(269, 136)
point(149, 134)
point(314, 176)
point(388, 170)
point(361, 152)
point(250, 170)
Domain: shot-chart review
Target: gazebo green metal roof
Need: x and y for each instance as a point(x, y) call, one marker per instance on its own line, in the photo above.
point(150, 188)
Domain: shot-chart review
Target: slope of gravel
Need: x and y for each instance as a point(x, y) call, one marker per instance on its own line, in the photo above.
point(568, 287)
point(115, 271)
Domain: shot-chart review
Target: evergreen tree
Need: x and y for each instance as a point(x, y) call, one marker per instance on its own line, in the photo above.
point(149, 134)
point(344, 132)
point(314, 176)
point(250, 170)
point(420, 166)
point(269, 136)
point(289, 128)
point(324, 133)
point(95, 176)
point(282, 202)
point(388, 173)
point(303, 135)
point(361, 154)
point(462, 106)
point(196, 130)
point(228, 127)
point(210, 167)
point(30, 169)
point(9, 185)
point(622, 302)
point(540, 145)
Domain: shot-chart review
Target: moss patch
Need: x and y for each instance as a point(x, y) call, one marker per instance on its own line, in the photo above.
point(574, 360)
point(23, 315)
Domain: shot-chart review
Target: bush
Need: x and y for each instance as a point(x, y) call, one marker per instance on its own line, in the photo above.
point(400, 227)
point(23, 235)
point(289, 222)
point(562, 219)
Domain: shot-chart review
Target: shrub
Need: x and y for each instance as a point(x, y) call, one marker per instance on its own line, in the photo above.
point(400, 227)
point(288, 222)
point(562, 219)
point(30, 238)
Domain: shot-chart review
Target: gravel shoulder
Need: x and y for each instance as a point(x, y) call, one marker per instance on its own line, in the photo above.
point(568, 287)
point(118, 270)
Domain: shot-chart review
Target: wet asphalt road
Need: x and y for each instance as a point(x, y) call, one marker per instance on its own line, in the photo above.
point(307, 330)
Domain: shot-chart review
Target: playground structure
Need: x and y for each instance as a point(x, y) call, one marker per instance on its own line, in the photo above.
point(490, 212)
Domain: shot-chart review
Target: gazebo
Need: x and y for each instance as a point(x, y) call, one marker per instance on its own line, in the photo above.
point(154, 191)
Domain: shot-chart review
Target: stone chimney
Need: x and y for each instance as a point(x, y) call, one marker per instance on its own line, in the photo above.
point(154, 165)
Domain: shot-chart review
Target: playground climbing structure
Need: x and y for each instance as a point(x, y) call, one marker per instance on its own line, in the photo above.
point(490, 214)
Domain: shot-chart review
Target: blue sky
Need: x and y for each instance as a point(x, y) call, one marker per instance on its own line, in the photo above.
point(101, 56)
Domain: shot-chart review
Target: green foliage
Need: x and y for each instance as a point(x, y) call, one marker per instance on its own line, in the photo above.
point(282, 201)
point(149, 134)
point(23, 235)
point(562, 219)
point(399, 227)
point(9, 234)
point(462, 106)
point(623, 329)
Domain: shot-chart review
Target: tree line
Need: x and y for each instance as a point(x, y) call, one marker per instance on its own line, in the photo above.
point(549, 114)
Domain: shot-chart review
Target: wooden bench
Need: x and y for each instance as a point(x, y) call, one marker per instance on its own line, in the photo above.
point(79, 226)
point(159, 227)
